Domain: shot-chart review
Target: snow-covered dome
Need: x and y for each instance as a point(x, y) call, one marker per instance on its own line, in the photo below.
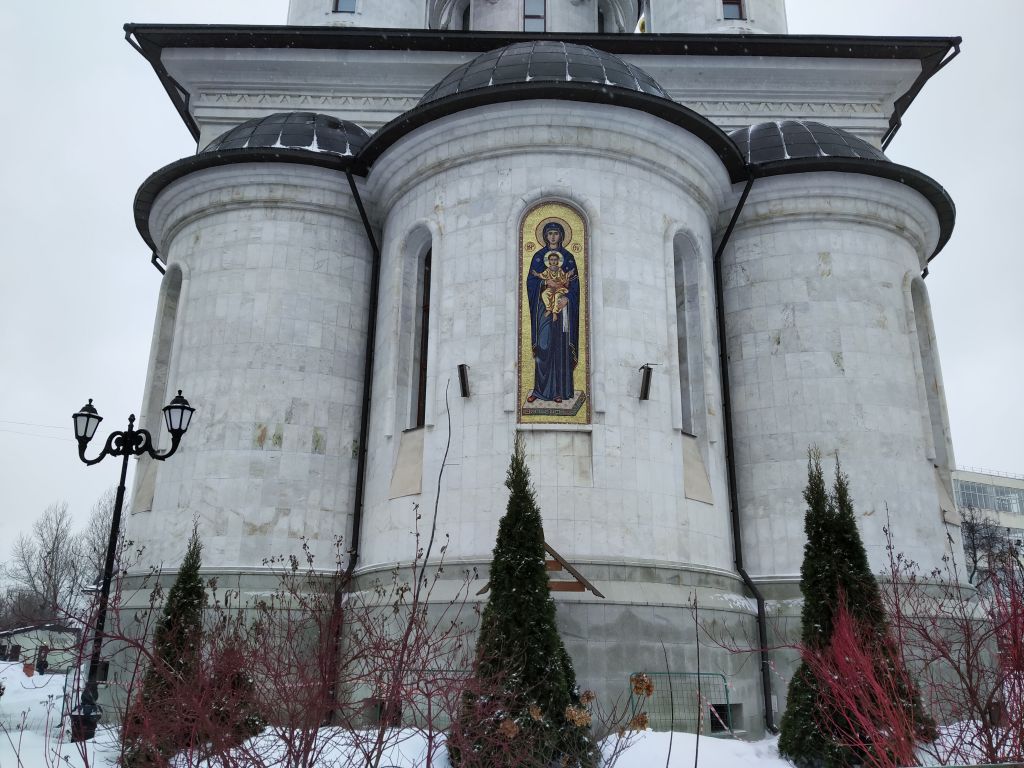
point(802, 146)
point(798, 139)
point(294, 130)
point(544, 61)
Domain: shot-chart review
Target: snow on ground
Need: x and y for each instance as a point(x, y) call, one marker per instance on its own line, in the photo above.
point(28, 701)
point(649, 750)
point(31, 737)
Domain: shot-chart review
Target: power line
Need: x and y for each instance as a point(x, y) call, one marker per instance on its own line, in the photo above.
point(31, 434)
point(30, 424)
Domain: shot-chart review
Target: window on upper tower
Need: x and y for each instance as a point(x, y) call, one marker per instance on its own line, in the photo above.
point(344, 6)
point(732, 9)
point(465, 17)
point(533, 15)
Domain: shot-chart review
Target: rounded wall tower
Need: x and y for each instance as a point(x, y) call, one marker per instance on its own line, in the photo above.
point(819, 279)
point(263, 322)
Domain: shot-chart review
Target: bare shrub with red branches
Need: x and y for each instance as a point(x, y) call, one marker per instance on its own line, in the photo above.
point(862, 685)
point(962, 647)
point(340, 671)
point(337, 675)
point(966, 649)
point(379, 663)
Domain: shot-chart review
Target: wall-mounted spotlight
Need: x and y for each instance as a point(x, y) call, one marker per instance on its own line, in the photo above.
point(464, 379)
point(645, 381)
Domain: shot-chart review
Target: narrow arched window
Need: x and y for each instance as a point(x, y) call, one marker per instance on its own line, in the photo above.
point(465, 17)
point(684, 256)
point(422, 338)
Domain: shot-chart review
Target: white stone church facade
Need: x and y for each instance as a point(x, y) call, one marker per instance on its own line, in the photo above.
point(369, 209)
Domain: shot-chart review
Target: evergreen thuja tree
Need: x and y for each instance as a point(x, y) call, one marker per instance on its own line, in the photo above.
point(835, 563)
point(522, 708)
point(234, 712)
point(157, 726)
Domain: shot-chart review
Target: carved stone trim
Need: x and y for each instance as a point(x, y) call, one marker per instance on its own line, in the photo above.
point(796, 108)
point(208, 100)
point(397, 104)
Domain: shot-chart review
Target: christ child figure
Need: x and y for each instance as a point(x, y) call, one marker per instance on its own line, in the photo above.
point(556, 284)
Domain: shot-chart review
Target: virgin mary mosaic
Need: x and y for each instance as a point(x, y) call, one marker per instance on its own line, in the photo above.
point(554, 380)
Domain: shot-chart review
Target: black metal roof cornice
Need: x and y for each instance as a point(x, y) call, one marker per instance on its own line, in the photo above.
point(353, 38)
point(667, 110)
point(151, 39)
point(931, 190)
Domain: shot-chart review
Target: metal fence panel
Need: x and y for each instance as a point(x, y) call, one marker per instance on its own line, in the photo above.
point(682, 701)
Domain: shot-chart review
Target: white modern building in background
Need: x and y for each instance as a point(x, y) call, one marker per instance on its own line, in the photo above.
point(992, 498)
point(671, 261)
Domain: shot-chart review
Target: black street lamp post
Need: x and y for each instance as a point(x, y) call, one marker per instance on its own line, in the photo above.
point(131, 442)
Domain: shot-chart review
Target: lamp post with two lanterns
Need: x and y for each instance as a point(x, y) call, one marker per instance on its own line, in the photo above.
point(130, 442)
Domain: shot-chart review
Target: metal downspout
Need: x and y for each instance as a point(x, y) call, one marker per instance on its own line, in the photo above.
point(345, 582)
point(734, 513)
point(364, 418)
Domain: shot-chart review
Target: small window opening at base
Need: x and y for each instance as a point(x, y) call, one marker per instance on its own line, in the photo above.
point(344, 6)
point(725, 717)
point(732, 9)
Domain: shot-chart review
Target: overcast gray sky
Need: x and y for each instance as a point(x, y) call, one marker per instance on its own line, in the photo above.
point(84, 121)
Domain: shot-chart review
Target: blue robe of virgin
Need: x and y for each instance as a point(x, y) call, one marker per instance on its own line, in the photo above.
point(555, 341)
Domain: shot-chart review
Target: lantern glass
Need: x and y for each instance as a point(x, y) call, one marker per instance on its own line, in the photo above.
point(86, 421)
point(178, 415)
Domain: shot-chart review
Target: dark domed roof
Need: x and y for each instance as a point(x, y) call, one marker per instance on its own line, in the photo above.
point(802, 146)
point(800, 139)
point(303, 138)
point(294, 130)
point(544, 61)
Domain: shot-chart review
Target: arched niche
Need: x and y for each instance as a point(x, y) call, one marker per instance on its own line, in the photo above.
point(616, 16)
point(938, 442)
point(448, 14)
point(157, 393)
